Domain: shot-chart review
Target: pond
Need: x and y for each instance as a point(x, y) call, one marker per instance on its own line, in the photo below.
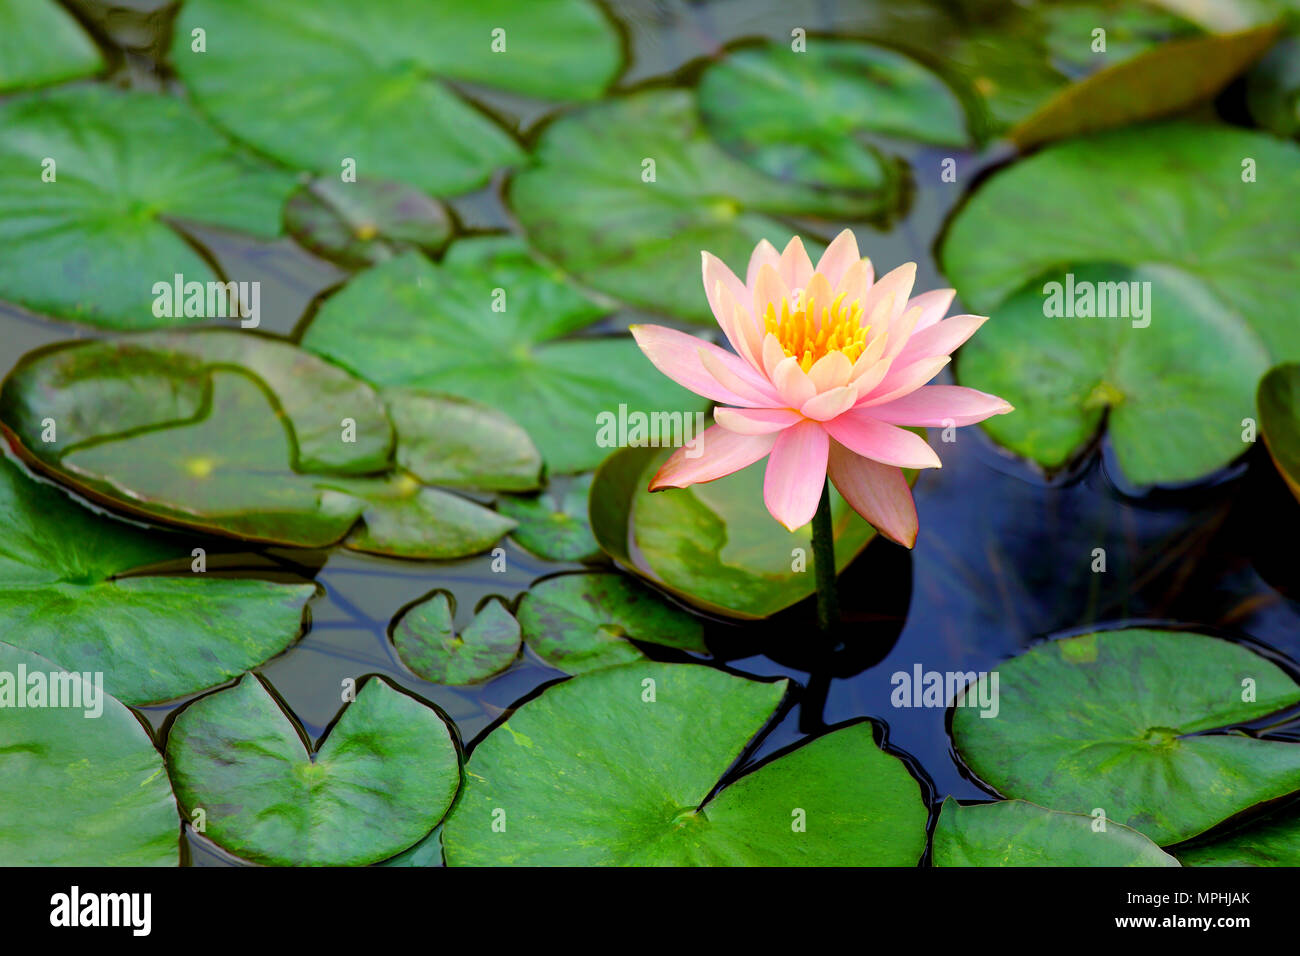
point(1120, 496)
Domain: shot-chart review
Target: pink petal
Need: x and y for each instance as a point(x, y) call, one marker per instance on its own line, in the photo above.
point(796, 474)
point(877, 492)
point(897, 283)
point(730, 302)
point(933, 305)
point(903, 379)
point(773, 354)
point(830, 371)
point(887, 444)
point(755, 421)
point(829, 404)
point(792, 384)
point(819, 292)
point(764, 254)
point(900, 333)
point(769, 289)
point(940, 406)
point(942, 338)
point(839, 255)
point(855, 281)
point(720, 452)
point(737, 377)
point(677, 355)
point(796, 267)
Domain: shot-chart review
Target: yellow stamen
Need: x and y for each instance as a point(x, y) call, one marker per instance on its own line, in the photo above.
point(810, 333)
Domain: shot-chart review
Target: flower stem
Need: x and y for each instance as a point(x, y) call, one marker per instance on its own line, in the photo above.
point(823, 543)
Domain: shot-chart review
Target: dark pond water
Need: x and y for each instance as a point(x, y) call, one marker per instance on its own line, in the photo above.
point(1004, 557)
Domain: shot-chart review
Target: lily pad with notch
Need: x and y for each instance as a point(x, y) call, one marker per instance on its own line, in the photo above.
point(359, 224)
point(582, 622)
point(381, 779)
point(1177, 380)
point(131, 168)
point(428, 643)
point(621, 767)
point(554, 525)
point(1139, 723)
point(317, 82)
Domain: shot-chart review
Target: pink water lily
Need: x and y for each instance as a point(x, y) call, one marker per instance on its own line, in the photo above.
point(829, 366)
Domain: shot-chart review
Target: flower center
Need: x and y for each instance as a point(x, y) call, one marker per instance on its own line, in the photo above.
point(808, 329)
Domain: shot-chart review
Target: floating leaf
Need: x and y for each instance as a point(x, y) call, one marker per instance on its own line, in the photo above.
point(1279, 420)
point(1271, 841)
point(77, 787)
point(457, 443)
point(486, 325)
point(405, 519)
point(364, 222)
point(426, 640)
point(1016, 833)
point(71, 589)
point(1119, 720)
point(169, 425)
point(814, 116)
point(554, 525)
point(593, 202)
point(1165, 79)
point(713, 544)
point(1273, 89)
point(316, 82)
point(91, 244)
point(581, 622)
point(617, 767)
point(41, 43)
point(381, 779)
point(1178, 215)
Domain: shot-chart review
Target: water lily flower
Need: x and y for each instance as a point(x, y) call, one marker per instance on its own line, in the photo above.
point(829, 367)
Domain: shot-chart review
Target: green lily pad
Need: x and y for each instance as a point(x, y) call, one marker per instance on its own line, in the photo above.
point(585, 201)
point(91, 244)
point(814, 116)
point(41, 43)
point(1273, 89)
point(617, 767)
point(72, 588)
point(1279, 420)
point(426, 640)
point(581, 622)
point(1177, 214)
point(215, 429)
point(1016, 833)
point(1117, 720)
point(554, 525)
point(359, 224)
point(403, 518)
point(411, 323)
point(714, 545)
point(457, 443)
point(380, 780)
point(370, 82)
point(1272, 841)
point(79, 786)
